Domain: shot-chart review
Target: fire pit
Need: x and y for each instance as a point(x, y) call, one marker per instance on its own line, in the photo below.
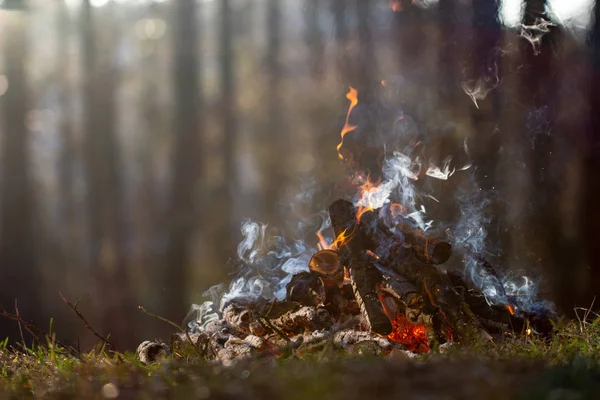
point(379, 286)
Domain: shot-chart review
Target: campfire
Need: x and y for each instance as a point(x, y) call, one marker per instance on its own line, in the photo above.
point(379, 284)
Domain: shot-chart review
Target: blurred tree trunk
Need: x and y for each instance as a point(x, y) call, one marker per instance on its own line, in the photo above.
point(68, 205)
point(341, 39)
point(590, 212)
point(486, 69)
point(183, 210)
point(447, 50)
point(367, 60)
point(540, 79)
point(275, 132)
point(229, 125)
point(104, 191)
point(313, 37)
point(409, 33)
point(18, 274)
point(534, 10)
point(148, 194)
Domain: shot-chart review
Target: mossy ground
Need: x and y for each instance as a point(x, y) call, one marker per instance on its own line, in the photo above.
point(567, 367)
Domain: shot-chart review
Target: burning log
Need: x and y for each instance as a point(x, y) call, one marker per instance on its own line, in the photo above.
point(327, 264)
point(359, 240)
point(363, 273)
point(306, 288)
point(402, 238)
point(442, 294)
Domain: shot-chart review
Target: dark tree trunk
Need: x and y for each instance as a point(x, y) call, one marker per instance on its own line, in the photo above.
point(367, 62)
point(534, 10)
point(341, 39)
point(590, 212)
point(229, 124)
point(313, 37)
point(103, 176)
point(539, 79)
point(70, 241)
point(275, 132)
point(187, 159)
point(18, 275)
point(448, 49)
point(486, 68)
point(408, 26)
point(147, 197)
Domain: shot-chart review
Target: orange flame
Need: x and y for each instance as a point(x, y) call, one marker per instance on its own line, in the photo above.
point(322, 245)
point(347, 278)
point(341, 239)
point(352, 95)
point(510, 309)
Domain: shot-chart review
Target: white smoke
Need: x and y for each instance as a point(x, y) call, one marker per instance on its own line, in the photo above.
point(441, 173)
point(268, 264)
point(470, 237)
point(534, 33)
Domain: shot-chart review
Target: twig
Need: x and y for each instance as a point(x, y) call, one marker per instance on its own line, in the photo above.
point(19, 322)
point(86, 323)
point(33, 330)
point(173, 324)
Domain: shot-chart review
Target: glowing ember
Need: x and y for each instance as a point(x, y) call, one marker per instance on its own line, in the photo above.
point(397, 209)
point(510, 309)
point(352, 95)
point(413, 337)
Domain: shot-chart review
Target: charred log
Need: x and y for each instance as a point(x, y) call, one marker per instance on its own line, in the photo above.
point(429, 279)
point(327, 264)
point(306, 288)
point(364, 275)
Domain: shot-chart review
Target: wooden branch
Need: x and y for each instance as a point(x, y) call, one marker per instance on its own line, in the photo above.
point(75, 308)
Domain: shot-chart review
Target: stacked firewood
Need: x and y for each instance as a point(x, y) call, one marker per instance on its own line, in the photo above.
point(379, 290)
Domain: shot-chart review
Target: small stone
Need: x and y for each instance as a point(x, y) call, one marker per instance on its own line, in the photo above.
point(364, 348)
point(110, 391)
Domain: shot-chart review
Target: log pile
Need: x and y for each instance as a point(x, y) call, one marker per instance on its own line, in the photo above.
point(379, 290)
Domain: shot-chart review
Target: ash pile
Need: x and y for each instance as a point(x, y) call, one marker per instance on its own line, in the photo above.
point(379, 289)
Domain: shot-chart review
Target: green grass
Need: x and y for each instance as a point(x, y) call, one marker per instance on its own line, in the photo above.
point(567, 367)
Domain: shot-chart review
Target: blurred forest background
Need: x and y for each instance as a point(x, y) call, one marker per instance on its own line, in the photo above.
point(136, 135)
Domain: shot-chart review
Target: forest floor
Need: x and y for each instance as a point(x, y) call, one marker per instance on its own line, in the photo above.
point(567, 367)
